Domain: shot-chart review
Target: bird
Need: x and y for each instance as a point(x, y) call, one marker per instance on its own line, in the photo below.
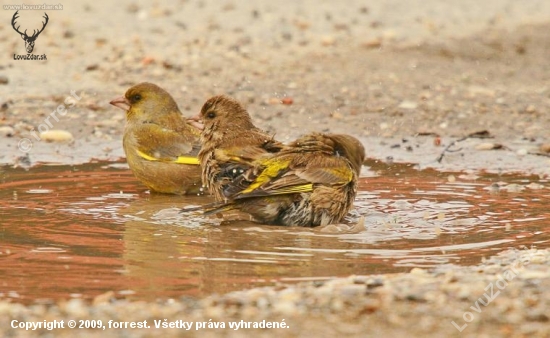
point(230, 142)
point(310, 182)
point(161, 147)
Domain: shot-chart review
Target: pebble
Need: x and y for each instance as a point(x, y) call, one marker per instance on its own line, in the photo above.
point(539, 257)
point(492, 188)
point(292, 85)
point(285, 308)
point(4, 79)
point(530, 109)
point(513, 187)
point(328, 41)
point(103, 298)
point(337, 115)
point(76, 308)
point(408, 105)
point(56, 136)
point(147, 60)
point(534, 274)
point(92, 67)
point(488, 146)
point(142, 15)
point(478, 90)
point(372, 43)
point(522, 152)
point(287, 101)
point(418, 271)
point(6, 131)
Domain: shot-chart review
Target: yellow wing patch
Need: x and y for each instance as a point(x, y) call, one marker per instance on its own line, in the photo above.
point(272, 169)
point(293, 189)
point(187, 160)
point(179, 160)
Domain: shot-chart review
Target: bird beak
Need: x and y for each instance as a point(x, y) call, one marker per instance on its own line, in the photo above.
point(196, 122)
point(122, 103)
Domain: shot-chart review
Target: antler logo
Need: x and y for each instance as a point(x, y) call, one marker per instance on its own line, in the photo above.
point(29, 40)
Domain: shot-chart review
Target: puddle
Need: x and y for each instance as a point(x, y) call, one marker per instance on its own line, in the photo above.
point(80, 231)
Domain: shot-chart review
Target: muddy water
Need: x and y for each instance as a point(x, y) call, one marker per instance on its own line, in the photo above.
point(80, 231)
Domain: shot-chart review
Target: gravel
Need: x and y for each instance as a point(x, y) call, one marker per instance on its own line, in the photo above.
point(506, 295)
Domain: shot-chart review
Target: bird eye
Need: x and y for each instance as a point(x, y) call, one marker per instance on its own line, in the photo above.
point(211, 115)
point(136, 98)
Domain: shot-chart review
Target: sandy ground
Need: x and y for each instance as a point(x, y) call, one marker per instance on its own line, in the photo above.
point(383, 72)
point(407, 79)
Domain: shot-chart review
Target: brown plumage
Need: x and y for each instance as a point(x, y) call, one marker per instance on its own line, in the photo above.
point(161, 147)
point(230, 143)
point(311, 182)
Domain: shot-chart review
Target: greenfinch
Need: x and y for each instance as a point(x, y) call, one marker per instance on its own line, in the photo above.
point(229, 142)
point(161, 146)
point(311, 182)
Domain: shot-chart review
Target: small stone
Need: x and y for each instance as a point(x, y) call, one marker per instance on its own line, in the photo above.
point(534, 274)
point(287, 100)
point(408, 105)
point(6, 131)
point(103, 298)
point(76, 308)
point(522, 152)
point(478, 90)
point(493, 188)
point(537, 258)
point(92, 67)
point(372, 43)
point(292, 85)
point(142, 15)
point(530, 109)
point(352, 290)
point(132, 8)
point(286, 308)
point(545, 148)
point(535, 186)
point(4, 79)
point(328, 40)
point(302, 24)
point(513, 187)
point(337, 115)
point(147, 60)
point(418, 271)
point(488, 146)
point(56, 136)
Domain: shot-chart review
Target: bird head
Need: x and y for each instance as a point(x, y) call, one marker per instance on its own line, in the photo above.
point(349, 147)
point(222, 113)
point(145, 101)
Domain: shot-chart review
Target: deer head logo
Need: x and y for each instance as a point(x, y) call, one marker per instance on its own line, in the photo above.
point(29, 40)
